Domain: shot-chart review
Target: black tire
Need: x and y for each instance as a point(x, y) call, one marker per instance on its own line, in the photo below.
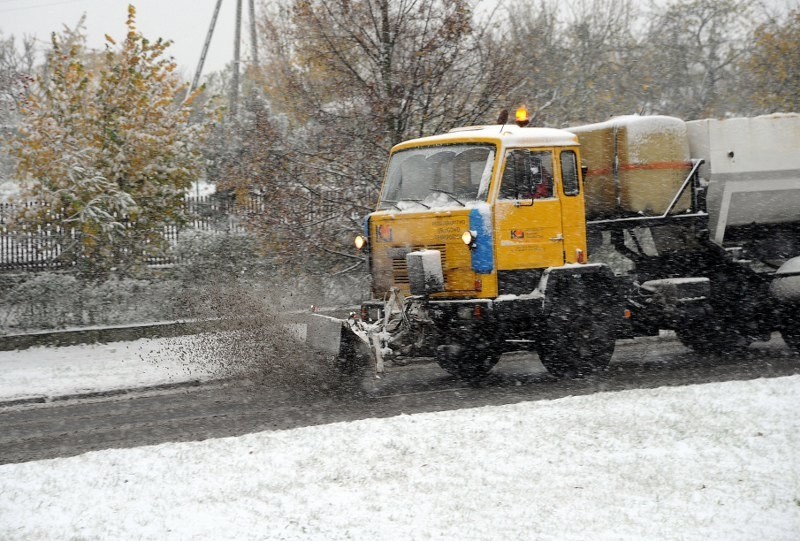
point(580, 335)
point(792, 339)
point(790, 328)
point(467, 361)
point(712, 336)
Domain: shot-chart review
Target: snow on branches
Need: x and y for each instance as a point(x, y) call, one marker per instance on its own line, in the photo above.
point(107, 138)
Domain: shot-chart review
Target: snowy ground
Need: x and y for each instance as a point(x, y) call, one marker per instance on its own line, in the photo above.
point(43, 371)
point(714, 461)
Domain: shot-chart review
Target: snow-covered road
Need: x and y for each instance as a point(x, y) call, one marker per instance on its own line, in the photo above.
point(716, 461)
point(713, 461)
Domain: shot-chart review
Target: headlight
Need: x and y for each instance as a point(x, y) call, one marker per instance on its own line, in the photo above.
point(360, 241)
point(468, 237)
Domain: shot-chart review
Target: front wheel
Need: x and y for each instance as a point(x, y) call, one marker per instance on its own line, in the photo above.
point(579, 338)
point(467, 361)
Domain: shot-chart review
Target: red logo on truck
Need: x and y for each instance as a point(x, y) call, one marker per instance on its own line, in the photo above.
point(385, 233)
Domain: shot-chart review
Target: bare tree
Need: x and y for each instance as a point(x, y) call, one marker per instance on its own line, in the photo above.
point(694, 48)
point(16, 78)
point(576, 60)
point(534, 46)
point(16, 75)
point(351, 78)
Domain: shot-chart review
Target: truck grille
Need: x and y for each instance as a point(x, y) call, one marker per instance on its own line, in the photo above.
point(400, 267)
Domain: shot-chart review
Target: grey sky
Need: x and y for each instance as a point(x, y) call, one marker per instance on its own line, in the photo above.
point(183, 21)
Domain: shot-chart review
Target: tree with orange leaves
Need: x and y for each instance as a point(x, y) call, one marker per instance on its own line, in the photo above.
point(773, 67)
point(107, 145)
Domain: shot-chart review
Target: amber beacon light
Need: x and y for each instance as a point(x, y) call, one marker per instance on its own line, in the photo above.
point(521, 117)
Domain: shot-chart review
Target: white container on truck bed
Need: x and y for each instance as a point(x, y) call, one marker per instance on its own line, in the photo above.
point(752, 169)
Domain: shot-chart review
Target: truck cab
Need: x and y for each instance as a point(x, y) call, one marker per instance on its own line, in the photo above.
point(482, 233)
point(498, 202)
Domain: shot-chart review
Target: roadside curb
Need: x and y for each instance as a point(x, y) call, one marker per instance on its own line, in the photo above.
point(43, 399)
point(92, 335)
point(120, 333)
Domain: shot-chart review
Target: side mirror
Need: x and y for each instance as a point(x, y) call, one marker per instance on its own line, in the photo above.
point(584, 171)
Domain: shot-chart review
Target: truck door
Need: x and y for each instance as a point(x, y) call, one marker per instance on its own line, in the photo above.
point(573, 215)
point(528, 215)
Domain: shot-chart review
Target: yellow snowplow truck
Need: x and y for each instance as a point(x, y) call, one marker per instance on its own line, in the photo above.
point(503, 237)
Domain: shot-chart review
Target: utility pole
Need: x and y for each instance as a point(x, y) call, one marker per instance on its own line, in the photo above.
point(253, 42)
point(235, 83)
point(199, 70)
point(236, 61)
point(255, 84)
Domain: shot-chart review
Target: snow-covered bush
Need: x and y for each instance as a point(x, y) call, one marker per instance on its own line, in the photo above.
point(205, 256)
point(44, 301)
point(57, 300)
point(126, 300)
point(107, 143)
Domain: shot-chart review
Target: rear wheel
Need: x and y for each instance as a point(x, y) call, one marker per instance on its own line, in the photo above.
point(790, 328)
point(580, 336)
point(792, 339)
point(467, 361)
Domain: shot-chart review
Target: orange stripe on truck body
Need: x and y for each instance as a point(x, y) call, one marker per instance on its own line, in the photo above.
point(657, 166)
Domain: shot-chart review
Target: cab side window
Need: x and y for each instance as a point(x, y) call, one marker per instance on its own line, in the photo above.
point(527, 175)
point(542, 174)
point(513, 177)
point(569, 173)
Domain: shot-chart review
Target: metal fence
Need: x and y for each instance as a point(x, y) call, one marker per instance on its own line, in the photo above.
point(38, 246)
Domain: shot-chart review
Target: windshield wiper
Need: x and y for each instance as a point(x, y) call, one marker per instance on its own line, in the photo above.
point(418, 202)
point(450, 195)
point(393, 203)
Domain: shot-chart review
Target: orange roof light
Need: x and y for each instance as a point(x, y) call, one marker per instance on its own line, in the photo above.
point(521, 117)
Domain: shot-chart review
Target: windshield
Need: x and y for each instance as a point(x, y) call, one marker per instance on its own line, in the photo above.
point(437, 176)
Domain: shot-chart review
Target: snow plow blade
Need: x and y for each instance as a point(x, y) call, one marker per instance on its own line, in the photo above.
point(324, 333)
point(336, 338)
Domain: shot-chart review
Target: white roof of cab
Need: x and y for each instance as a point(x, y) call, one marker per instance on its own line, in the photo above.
point(509, 135)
